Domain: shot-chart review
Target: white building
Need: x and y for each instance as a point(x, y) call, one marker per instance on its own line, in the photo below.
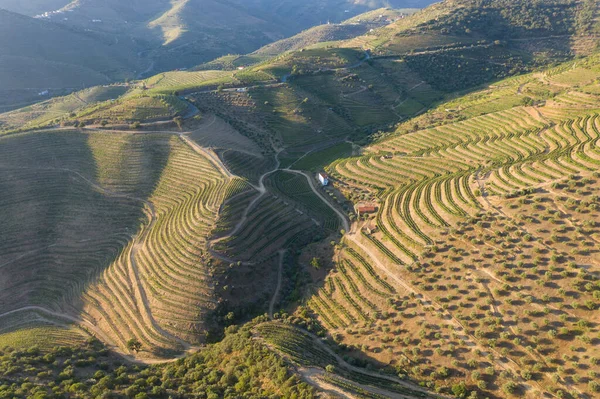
point(323, 178)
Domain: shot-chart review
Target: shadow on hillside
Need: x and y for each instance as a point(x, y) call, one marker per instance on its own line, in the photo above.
point(250, 287)
point(72, 202)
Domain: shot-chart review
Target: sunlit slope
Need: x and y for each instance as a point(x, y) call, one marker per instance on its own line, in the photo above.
point(545, 24)
point(484, 242)
point(110, 229)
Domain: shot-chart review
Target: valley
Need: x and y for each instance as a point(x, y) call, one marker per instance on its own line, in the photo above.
point(169, 236)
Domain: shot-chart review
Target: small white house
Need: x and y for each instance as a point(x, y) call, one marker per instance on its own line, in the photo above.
point(324, 179)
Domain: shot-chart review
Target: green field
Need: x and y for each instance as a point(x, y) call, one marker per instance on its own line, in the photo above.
point(314, 161)
point(296, 187)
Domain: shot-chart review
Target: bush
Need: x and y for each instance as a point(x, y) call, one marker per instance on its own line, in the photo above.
point(509, 388)
point(459, 390)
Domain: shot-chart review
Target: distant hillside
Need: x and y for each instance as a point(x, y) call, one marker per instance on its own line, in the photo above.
point(183, 33)
point(515, 20)
point(354, 27)
point(38, 56)
point(103, 41)
point(330, 32)
point(32, 7)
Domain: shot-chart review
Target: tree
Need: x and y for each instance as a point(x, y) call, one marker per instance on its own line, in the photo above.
point(316, 263)
point(459, 390)
point(527, 101)
point(134, 345)
point(509, 388)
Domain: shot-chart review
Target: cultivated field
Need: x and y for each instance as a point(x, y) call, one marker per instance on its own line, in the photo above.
point(454, 252)
point(119, 265)
point(480, 264)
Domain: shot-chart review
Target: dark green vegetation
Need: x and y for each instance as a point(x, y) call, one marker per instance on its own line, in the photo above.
point(237, 367)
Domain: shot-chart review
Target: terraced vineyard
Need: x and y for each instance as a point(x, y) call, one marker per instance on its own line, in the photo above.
point(59, 108)
point(34, 328)
point(454, 251)
point(480, 264)
point(295, 187)
point(155, 203)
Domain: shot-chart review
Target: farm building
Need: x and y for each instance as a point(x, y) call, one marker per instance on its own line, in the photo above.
point(323, 178)
point(365, 209)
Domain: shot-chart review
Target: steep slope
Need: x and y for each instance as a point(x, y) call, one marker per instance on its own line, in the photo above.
point(486, 229)
point(351, 28)
point(543, 25)
point(40, 42)
point(205, 222)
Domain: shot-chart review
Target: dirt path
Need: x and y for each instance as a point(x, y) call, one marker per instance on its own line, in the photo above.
point(311, 182)
point(362, 90)
point(508, 364)
point(139, 292)
point(314, 376)
point(262, 190)
point(311, 376)
point(342, 363)
point(279, 281)
point(138, 287)
point(85, 324)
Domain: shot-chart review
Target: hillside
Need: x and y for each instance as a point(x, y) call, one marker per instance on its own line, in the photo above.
point(184, 33)
point(351, 28)
point(35, 58)
point(485, 234)
point(114, 40)
point(320, 35)
point(178, 221)
point(32, 8)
